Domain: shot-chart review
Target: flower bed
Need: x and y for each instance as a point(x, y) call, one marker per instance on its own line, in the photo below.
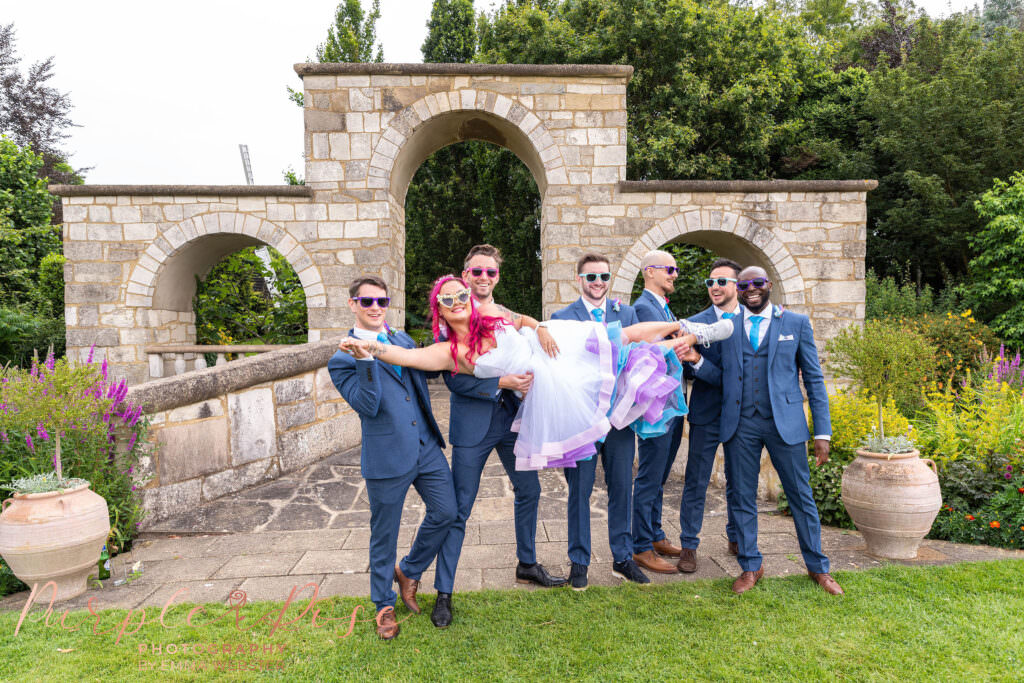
point(101, 436)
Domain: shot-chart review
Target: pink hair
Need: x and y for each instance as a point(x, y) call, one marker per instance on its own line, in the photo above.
point(481, 327)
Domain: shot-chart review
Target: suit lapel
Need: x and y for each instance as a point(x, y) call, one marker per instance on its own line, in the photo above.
point(658, 304)
point(580, 310)
point(738, 334)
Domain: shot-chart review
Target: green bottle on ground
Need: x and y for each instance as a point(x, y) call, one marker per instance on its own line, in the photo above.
point(103, 571)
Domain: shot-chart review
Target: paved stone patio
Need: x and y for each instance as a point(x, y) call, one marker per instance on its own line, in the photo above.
point(313, 525)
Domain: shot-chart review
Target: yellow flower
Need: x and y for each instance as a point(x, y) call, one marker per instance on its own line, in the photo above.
point(966, 314)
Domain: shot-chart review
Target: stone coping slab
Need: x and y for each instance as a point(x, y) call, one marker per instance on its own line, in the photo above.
point(200, 385)
point(747, 185)
point(188, 190)
point(456, 69)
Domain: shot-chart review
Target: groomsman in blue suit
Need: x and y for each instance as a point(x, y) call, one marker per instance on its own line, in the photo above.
point(401, 446)
point(593, 273)
point(705, 411)
point(482, 412)
point(762, 406)
point(656, 454)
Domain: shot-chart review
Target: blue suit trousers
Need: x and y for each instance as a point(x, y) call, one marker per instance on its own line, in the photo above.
point(467, 466)
point(742, 466)
point(700, 461)
point(433, 481)
point(655, 464)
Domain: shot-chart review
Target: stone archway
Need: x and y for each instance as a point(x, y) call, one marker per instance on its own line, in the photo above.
point(367, 127)
point(726, 233)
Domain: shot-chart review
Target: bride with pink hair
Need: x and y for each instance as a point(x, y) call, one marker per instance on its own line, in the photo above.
point(587, 378)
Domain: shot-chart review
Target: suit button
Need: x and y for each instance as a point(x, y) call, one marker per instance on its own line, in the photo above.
point(407, 398)
point(414, 423)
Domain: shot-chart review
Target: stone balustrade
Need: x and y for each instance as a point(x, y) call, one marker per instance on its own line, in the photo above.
point(176, 357)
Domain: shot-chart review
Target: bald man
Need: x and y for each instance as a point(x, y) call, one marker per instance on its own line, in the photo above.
point(655, 455)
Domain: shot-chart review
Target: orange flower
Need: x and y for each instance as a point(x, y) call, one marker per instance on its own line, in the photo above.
point(969, 518)
point(1020, 490)
point(994, 524)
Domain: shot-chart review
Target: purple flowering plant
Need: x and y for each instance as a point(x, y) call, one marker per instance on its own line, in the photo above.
point(71, 420)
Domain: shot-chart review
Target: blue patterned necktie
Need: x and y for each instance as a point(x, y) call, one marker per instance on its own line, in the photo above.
point(383, 339)
point(755, 328)
point(598, 314)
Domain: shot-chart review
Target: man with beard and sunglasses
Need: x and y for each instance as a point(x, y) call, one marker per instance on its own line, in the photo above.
point(482, 412)
point(655, 454)
point(616, 452)
point(401, 446)
point(762, 407)
point(703, 418)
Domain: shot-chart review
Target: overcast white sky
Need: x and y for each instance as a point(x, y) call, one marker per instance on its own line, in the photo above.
point(165, 92)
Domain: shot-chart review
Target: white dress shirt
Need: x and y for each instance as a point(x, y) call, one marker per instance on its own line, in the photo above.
point(366, 335)
point(591, 308)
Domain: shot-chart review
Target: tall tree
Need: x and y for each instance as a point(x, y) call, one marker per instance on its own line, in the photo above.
point(451, 32)
point(352, 37)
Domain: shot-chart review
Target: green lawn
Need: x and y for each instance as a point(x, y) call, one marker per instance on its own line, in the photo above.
point(963, 622)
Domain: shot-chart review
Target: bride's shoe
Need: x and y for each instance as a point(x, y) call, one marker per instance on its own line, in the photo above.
point(719, 331)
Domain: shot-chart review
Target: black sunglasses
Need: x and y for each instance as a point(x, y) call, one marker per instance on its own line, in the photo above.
point(477, 272)
point(368, 301)
point(592, 277)
point(720, 281)
point(756, 283)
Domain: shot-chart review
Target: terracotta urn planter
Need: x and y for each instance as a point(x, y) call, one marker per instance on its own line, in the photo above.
point(54, 536)
point(893, 499)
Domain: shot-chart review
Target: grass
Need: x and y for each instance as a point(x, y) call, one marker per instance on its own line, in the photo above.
point(961, 622)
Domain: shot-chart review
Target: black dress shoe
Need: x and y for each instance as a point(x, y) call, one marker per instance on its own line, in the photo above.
point(629, 571)
point(538, 575)
point(441, 615)
point(578, 577)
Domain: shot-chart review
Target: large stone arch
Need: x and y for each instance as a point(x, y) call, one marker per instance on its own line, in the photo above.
point(163, 277)
point(726, 233)
point(442, 119)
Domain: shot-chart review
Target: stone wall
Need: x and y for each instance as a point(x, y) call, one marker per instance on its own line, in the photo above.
point(220, 430)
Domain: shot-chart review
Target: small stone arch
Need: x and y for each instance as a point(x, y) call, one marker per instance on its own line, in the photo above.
point(440, 119)
point(194, 245)
point(728, 233)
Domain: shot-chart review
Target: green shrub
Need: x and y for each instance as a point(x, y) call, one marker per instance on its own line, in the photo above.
point(102, 436)
point(972, 422)
point(884, 359)
point(999, 522)
point(884, 298)
point(962, 345)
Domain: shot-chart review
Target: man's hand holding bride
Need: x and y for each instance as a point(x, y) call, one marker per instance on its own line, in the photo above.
point(520, 383)
point(686, 353)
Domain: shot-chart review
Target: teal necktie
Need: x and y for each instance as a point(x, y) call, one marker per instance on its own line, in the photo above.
point(668, 312)
point(755, 327)
point(383, 339)
point(598, 315)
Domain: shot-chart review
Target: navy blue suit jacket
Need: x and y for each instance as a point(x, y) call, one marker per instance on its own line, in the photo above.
point(472, 404)
point(650, 309)
point(391, 440)
point(705, 398)
point(791, 353)
point(577, 310)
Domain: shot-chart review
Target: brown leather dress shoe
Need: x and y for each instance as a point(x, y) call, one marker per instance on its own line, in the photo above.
point(649, 560)
point(407, 589)
point(734, 548)
point(826, 582)
point(746, 581)
point(665, 548)
point(687, 563)
point(387, 627)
